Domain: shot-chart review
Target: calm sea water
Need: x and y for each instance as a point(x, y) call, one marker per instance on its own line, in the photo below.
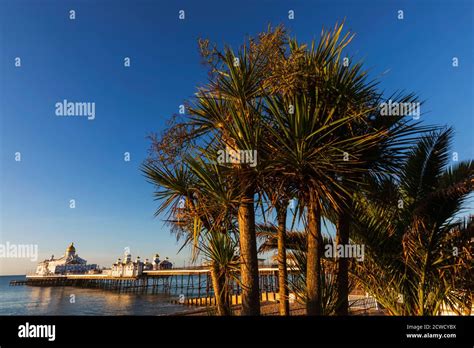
point(32, 300)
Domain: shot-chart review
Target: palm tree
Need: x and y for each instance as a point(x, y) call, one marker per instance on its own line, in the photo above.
point(199, 198)
point(278, 193)
point(220, 249)
point(399, 133)
point(229, 112)
point(416, 252)
point(281, 210)
point(306, 124)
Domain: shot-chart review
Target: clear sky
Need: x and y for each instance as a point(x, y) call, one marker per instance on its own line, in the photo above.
point(65, 158)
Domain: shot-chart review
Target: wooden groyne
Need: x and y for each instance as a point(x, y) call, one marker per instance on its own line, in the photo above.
point(17, 282)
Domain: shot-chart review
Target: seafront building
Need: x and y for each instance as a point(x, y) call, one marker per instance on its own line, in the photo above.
point(69, 263)
point(129, 268)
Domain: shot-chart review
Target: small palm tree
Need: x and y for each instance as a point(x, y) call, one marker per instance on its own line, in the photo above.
point(200, 204)
point(417, 257)
point(221, 250)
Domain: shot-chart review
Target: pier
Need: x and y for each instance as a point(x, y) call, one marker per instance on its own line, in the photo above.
point(191, 286)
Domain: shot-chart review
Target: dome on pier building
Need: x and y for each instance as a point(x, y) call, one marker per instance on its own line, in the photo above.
point(165, 264)
point(71, 249)
point(69, 263)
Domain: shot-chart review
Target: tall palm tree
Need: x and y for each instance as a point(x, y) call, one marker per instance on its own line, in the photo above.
point(278, 193)
point(229, 112)
point(309, 146)
point(415, 251)
point(399, 133)
point(281, 211)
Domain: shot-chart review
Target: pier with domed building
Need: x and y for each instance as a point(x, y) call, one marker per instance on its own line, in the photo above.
point(71, 264)
point(191, 285)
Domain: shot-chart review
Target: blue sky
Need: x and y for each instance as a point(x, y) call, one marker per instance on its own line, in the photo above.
point(67, 158)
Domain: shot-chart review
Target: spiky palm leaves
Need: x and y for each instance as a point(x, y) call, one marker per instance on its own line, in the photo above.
point(415, 252)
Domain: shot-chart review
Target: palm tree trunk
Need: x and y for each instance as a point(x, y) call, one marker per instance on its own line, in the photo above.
point(220, 293)
point(342, 277)
point(281, 209)
point(248, 256)
point(313, 262)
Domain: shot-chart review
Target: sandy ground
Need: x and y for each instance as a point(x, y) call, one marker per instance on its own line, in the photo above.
point(267, 308)
point(271, 309)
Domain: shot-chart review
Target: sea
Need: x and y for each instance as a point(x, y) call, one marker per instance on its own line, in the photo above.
point(36, 300)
